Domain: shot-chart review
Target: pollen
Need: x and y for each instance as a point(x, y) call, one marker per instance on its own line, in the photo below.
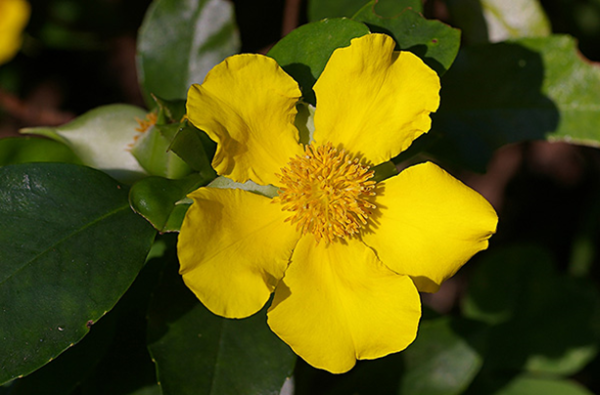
point(329, 192)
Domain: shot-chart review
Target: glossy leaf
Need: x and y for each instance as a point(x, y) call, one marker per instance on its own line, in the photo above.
point(199, 353)
point(304, 52)
point(319, 9)
point(497, 20)
point(70, 246)
point(102, 138)
point(528, 89)
point(180, 41)
point(65, 373)
point(30, 149)
point(443, 360)
point(542, 322)
point(162, 202)
point(433, 41)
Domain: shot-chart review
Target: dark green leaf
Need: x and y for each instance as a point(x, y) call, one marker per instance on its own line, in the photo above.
point(180, 41)
point(160, 200)
point(29, 149)
point(304, 52)
point(529, 89)
point(434, 42)
point(127, 368)
point(444, 358)
point(70, 246)
point(198, 353)
point(319, 9)
point(63, 374)
point(542, 322)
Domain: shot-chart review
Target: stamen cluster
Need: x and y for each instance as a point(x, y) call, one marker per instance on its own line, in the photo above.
point(329, 192)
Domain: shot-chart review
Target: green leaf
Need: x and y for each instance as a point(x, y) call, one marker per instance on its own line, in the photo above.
point(127, 368)
point(542, 322)
point(29, 149)
point(162, 202)
point(64, 373)
point(199, 353)
point(318, 9)
point(304, 52)
point(102, 138)
point(528, 89)
point(497, 20)
point(525, 385)
point(194, 147)
point(70, 246)
point(443, 360)
point(434, 42)
point(180, 41)
point(152, 151)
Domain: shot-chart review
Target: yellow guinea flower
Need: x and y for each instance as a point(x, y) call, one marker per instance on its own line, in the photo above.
point(346, 257)
point(14, 15)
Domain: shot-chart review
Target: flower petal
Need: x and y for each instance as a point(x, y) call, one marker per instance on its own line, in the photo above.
point(374, 101)
point(14, 15)
point(429, 225)
point(247, 105)
point(233, 249)
point(338, 303)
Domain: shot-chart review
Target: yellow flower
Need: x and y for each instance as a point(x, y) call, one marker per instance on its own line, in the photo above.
point(14, 15)
point(345, 257)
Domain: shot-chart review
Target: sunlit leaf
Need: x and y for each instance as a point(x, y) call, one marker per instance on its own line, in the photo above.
point(180, 41)
point(498, 20)
point(433, 41)
point(70, 246)
point(102, 139)
point(304, 52)
point(198, 353)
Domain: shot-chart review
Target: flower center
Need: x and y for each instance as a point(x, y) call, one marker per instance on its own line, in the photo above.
point(329, 192)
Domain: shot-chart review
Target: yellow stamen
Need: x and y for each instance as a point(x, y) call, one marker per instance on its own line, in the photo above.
point(146, 123)
point(329, 192)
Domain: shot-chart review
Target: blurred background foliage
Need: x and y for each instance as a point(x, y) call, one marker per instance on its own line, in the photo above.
point(520, 318)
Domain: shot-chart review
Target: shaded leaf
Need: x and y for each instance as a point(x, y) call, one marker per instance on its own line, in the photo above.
point(63, 374)
point(525, 385)
point(433, 41)
point(528, 89)
point(198, 353)
point(542, 322)
point(70, 246)
point(444, 358)
point(304, 52)
point(102, 138)
point(180, 41)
